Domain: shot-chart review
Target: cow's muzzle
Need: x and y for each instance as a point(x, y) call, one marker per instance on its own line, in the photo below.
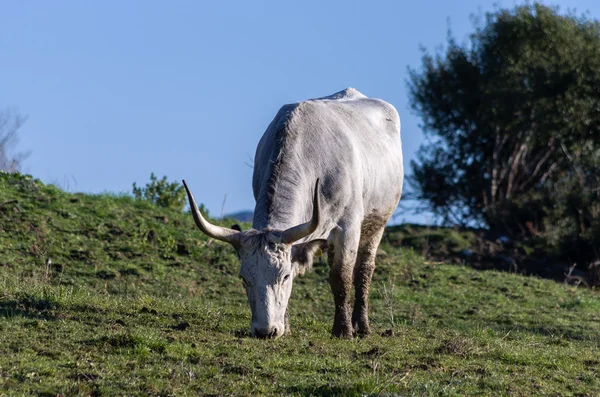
point(266, 333)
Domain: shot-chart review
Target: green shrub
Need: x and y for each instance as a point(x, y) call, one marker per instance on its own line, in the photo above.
point(513, 121)
point(161, 193)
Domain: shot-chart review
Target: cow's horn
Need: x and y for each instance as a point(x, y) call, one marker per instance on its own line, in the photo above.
point(220, 233)
point(297, 232)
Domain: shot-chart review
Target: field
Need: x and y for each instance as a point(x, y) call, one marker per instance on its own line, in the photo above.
point(105, 295)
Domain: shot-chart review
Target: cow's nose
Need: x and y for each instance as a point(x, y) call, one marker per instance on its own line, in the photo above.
point(266, 333)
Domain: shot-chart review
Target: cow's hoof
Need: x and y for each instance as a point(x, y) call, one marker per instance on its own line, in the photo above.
point(345, 333)
point(343, 336)
point(361, 328)
point(361, 332)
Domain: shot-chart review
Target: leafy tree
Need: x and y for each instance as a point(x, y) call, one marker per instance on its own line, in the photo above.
point(10, 122)
point(514, 120)
point(572, 209)
point(162, 193)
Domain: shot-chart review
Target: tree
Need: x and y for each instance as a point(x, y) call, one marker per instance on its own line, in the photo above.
point(572, 210)
point(10, 122)
point(505, 108)
point(513, 116)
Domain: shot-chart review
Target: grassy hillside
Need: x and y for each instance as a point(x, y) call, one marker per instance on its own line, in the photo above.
point(135, 300)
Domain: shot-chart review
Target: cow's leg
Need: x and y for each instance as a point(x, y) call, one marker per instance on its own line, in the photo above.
point(371, 232)
point(342, 257)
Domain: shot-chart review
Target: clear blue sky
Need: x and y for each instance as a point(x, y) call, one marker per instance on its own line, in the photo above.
point(115, 90)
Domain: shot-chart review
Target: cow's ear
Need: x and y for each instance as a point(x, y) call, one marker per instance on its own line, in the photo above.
point(303, 255)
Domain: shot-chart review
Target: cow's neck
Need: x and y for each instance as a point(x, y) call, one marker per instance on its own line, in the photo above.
point(282, 206)
point(283, 201)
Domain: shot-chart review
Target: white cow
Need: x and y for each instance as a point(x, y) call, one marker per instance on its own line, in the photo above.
point(351, 145)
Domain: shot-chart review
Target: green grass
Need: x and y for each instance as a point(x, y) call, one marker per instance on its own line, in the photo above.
point(137, 301)
point(431, 240)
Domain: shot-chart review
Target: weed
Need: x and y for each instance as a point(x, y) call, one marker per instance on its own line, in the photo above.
point(387, 293)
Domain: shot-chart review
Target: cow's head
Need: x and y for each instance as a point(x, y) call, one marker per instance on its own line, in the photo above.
point(270, 261)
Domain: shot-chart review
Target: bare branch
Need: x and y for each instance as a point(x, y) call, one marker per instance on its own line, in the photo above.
point(10, 122)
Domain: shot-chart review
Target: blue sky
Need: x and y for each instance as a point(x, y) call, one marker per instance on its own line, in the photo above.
point(116, 90)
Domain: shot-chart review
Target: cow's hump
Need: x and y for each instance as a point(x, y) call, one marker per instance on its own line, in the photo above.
point(347, 94)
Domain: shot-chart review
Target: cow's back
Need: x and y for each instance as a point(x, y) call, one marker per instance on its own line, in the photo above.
point(351, 142)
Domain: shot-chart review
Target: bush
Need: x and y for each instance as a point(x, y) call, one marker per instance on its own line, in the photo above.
point(513, 117)
point(572, 224)
point(161, 193)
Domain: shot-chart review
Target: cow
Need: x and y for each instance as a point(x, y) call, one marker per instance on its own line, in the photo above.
point(327, 176)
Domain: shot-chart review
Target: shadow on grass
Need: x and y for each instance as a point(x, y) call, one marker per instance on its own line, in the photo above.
point(242, 333)
point(552, 331)
point(479, 249)
point(29, 307)
point(327, 390)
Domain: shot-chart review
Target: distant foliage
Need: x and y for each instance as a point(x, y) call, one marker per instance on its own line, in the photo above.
point(162, 193)
point(515, 119)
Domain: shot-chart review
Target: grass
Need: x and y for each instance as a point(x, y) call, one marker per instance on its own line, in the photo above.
point(136, 301)
point(428, 240)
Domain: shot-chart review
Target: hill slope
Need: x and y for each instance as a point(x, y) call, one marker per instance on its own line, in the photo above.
point(137, 301)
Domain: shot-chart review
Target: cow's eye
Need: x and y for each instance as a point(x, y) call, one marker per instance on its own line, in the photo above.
point(286, 278)
point(271, 245)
